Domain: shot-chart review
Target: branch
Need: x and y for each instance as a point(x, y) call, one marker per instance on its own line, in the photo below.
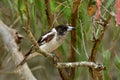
point(98, 40)
point(9, 39)
point(31, 37)
point(62, 72)
point(76, 4)
point(80, 64)
point(97, 67)
point(95, 48)
point(48, 13)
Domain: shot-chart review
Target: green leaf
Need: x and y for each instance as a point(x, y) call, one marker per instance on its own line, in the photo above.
point(52, 6)
point(39, 4)
point(106, 57)
point(30, 1)
point(21, 8)
point(67, 12)
point(64, 51)
point(117, 62)
point(35, 28)
point(109, 2)
point(106, 61)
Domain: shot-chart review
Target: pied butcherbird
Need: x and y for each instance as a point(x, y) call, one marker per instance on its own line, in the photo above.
point(51, 40)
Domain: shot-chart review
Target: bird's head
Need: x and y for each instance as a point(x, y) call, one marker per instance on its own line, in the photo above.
point(63, 29)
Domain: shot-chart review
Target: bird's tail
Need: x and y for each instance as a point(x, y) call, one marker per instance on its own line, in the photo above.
point(25, 57)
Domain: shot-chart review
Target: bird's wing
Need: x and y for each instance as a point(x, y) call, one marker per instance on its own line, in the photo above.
point(46, 38)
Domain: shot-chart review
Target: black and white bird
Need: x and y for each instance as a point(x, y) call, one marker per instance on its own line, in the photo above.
point(51, 40)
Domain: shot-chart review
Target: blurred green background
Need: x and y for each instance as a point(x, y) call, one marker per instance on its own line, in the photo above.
point(12, 13)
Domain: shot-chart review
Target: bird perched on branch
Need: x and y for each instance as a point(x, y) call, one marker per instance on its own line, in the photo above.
point(51, 40)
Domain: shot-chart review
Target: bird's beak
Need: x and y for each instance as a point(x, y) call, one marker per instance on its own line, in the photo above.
point(70, 28)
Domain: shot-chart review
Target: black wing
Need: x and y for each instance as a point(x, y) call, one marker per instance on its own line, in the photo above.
point(46, 38)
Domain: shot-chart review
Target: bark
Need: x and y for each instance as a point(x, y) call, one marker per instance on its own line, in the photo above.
point(9, 39)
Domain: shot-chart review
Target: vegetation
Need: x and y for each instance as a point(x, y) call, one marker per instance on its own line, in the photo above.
point(96, 38)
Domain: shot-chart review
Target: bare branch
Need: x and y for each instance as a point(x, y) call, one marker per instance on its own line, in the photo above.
point(95, 48)
point(48, 13)
point(98, 40)
point(76, 4)
point(8, 36)
point(80, 64)
point(31, 37)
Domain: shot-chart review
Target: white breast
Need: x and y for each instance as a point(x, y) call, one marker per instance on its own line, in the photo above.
point(53, 44)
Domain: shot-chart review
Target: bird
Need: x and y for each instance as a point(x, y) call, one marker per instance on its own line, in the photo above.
point(51, 40)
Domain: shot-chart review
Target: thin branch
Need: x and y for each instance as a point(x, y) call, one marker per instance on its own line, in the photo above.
point(83, 40)
point(76, 4)
point(98, 40)
point(15, 22)
point(80, 64)
point(48, 13)
point(62, 72)
point(97, 67)
point(111, 13)
point(36, 45)
point(8, 36)
point(7, 72)
point(95, 48)
point(31, 37)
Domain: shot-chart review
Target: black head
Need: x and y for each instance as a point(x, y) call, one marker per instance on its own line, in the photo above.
point(62, 29)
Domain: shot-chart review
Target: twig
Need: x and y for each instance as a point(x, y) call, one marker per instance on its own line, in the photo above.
point(96, 67)
point(97, 41)
point(36, 45)
point(48, 13)
point(83, 40)
point(76, 4)
point(95, 48)
point(81, 64)
point(7, 72)
point(62, 72)
point(30, 34)
point(8, 36)
point(111, 13)
point(15, 22)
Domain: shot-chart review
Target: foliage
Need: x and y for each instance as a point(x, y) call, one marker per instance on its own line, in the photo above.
point(107, 53)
